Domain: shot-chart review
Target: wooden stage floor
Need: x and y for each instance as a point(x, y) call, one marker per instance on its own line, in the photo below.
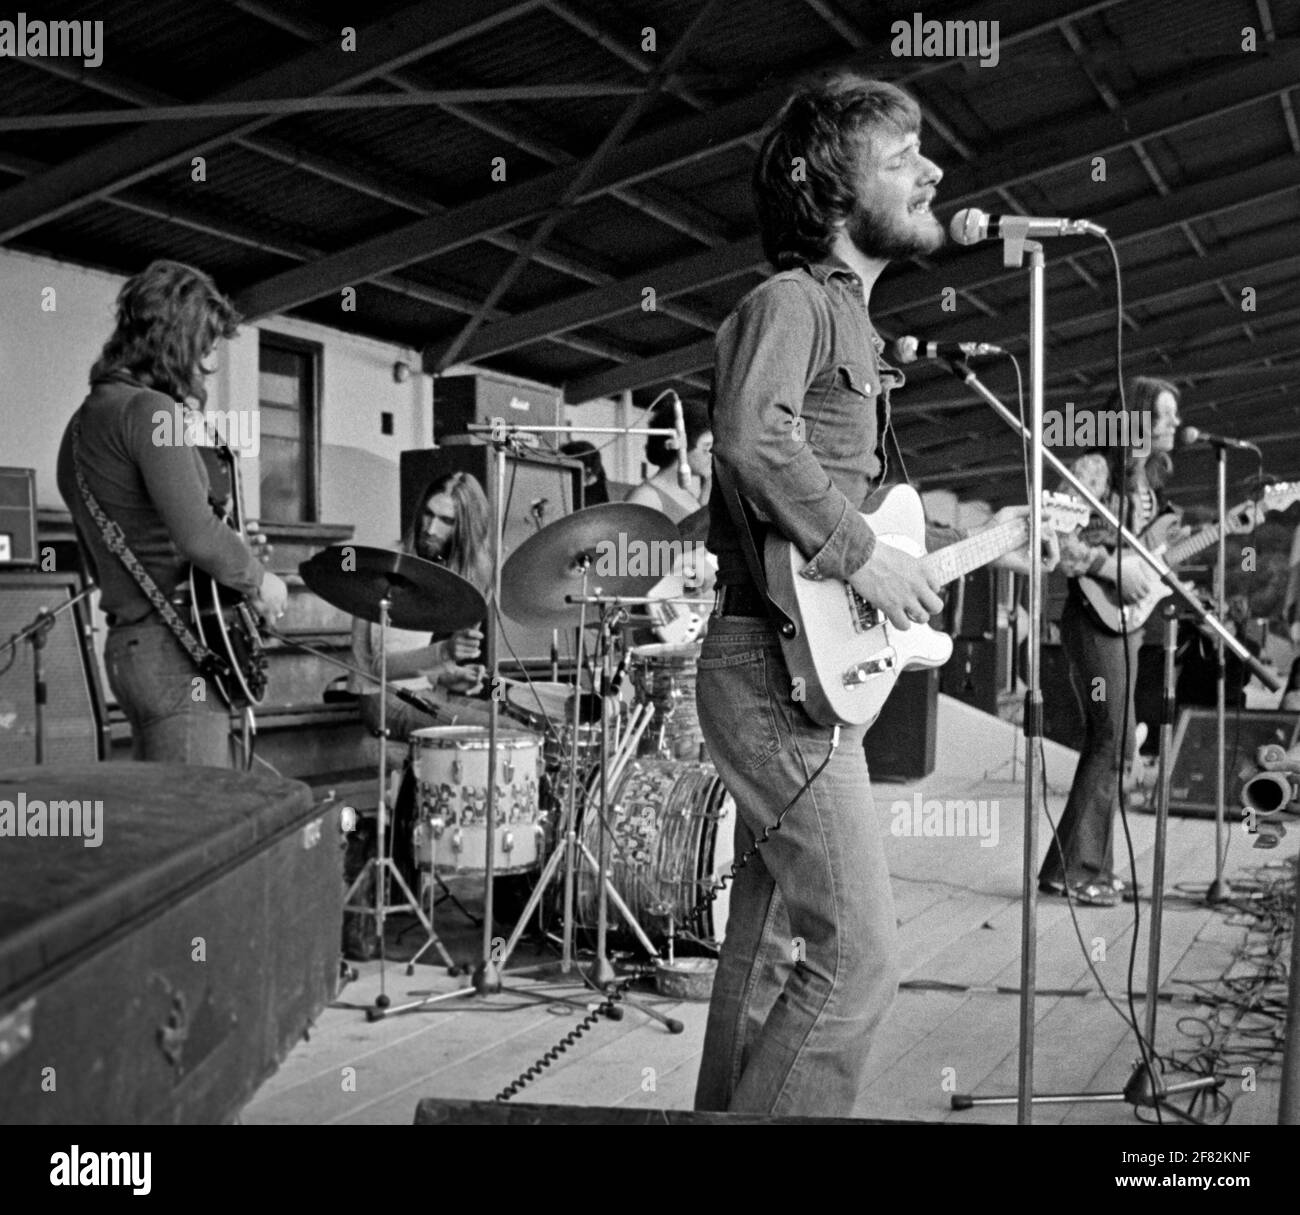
point(954, 1026)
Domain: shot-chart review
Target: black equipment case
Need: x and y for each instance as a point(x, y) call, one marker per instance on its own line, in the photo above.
point(162, 975)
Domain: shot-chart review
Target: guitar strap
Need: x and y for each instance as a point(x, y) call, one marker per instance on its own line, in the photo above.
point(210, 664)
point(740, 514)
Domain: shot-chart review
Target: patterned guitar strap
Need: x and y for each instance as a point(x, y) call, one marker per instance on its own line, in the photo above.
point(211, 665)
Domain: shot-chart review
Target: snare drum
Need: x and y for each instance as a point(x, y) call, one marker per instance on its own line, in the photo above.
point(673, 828)
point(450, 764)
point(543, 707)
point(664, 676)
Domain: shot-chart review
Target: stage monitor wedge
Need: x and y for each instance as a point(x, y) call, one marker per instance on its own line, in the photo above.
point(1194, 779)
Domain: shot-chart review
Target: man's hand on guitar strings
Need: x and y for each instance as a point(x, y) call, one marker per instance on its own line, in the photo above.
point(272, 597)
point(898, 584)
point(1018, 560)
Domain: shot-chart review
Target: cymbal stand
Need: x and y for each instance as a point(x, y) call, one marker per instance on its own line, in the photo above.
point(381, 865)
point(568, 855)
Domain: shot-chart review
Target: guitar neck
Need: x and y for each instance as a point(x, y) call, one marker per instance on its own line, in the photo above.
point(970, 554)
point(1192, 545)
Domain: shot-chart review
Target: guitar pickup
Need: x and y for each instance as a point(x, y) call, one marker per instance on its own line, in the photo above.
point(860, 672)
point(861, 613)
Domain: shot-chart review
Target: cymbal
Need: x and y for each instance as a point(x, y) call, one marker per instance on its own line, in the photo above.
point(612, 539)
point(422, 596)
point(695, 527)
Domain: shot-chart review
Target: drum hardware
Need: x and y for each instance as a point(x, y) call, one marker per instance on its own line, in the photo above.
point(408, 592)
point(536, 579)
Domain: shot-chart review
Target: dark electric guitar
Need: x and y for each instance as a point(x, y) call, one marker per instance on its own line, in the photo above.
point(1115, 616)
point(845, 653)
point(223, 619)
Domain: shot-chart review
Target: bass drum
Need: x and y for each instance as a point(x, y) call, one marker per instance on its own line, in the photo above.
point(673, 836)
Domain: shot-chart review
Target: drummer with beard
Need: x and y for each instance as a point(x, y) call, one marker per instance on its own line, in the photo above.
point(449, 528)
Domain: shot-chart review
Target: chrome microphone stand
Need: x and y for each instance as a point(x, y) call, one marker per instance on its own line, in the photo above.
point(1220, 890)
point(1198, 612)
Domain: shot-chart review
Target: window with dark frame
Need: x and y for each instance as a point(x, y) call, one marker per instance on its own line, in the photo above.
point(288, 392)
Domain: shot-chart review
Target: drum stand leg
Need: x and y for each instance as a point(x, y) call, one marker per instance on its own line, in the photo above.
point(434, 939)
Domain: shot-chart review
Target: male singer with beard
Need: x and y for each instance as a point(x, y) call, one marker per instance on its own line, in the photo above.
point(801, 406)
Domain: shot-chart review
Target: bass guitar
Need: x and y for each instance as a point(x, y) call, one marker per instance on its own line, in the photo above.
point(844, 652)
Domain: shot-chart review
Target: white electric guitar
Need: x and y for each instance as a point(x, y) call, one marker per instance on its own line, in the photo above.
point(679, 612)
point(848, 654)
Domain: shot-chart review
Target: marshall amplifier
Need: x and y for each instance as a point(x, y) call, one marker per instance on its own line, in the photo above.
point(459, 400)
point(18, 516)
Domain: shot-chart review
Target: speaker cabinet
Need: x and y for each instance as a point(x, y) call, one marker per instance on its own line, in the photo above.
point(971, 605)
point(900, 744)
point(538, 489)
point(1194, 780)
point(973, 673)
point(459, 400)
point(17, 516)
point(75, 720)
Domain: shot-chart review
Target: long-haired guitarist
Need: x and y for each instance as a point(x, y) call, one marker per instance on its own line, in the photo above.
point(1131, 483)
point(140, 460)
point(809, 966)
point(451, 526)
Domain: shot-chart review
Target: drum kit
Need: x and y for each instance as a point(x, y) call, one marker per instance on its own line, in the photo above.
point(586, 778)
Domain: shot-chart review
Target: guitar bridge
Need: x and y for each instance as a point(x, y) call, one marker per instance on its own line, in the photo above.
point(860, 672)
point(862, 615)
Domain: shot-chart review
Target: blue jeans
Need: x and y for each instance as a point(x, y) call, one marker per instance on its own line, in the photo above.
point(153, 679)
point(809, 967)
point(1086, 832)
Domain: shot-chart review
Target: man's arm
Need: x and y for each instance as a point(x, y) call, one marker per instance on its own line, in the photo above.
point(767, 356)
point(177, 485)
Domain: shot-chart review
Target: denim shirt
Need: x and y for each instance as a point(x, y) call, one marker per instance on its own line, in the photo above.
point(799, 414)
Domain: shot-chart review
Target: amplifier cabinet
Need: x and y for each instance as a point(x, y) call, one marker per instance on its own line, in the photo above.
point(162, 974)
point(538, 490)
point(18, 516)
point(75, 720)
point(459, 400)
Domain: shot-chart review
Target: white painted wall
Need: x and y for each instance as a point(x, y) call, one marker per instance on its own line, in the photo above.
point(46, 355)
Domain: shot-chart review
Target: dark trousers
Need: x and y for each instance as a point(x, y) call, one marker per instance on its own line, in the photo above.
point(1084, 848)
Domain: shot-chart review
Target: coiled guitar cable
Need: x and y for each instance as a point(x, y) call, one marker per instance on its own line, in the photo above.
point(610, 1006)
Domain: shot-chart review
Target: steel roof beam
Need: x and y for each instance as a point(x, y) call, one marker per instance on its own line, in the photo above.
point(669, 147)
point(410, 34)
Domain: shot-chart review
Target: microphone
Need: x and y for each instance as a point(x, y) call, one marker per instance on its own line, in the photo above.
point(683, 465)
point(972, 225)
point(908, 349)
point(1191, 435)
point(538, 511)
